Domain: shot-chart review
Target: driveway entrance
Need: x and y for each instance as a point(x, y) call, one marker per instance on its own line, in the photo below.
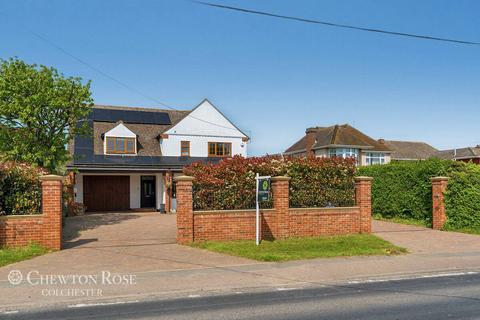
point(115, 229)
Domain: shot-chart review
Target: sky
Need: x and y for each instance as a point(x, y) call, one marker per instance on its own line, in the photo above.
point(273, 78)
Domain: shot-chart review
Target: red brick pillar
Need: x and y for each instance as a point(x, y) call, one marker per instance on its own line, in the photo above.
point(363, 199)
point(52, 211)
point(439, 217)
point(184, 209)
point(280, 190)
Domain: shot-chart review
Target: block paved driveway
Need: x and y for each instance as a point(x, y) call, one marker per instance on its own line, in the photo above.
point(130, 241)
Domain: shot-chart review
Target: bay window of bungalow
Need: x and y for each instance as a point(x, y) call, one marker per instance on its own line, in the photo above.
point(375, 158)
point(116, 145)
point(344, 153)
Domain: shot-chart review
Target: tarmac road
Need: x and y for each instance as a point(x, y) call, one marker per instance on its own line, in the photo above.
point(443, 297)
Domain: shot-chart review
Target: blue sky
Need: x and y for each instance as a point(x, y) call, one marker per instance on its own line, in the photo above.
point(272, 77)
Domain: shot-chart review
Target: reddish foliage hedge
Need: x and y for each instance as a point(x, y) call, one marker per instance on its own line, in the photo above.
point(20, 189)
point(230, 184)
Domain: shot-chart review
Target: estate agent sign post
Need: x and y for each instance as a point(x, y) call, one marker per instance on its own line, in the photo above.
point(262, 194)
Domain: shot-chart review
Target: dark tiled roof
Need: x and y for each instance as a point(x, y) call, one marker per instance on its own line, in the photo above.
point(300, 145)
point(410, 150)
point(460, 153)
point(88, 150)
point(339, 135)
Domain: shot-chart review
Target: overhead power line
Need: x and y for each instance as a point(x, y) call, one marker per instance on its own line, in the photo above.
point(335, 25)
point(85, 63)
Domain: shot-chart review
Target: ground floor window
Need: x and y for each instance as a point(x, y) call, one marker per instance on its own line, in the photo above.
point(375, 158)
point(344, 153)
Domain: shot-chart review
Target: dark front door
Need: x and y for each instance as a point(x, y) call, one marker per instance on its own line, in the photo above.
point(148, 198)
point(106, 193)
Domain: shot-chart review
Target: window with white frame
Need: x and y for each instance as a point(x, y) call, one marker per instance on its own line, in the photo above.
point(343, 152)
point(375, 158)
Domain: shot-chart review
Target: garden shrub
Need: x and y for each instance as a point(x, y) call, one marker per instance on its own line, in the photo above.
point(403, 189)
point(462, 199)
point(20, 189)
point(230, 184)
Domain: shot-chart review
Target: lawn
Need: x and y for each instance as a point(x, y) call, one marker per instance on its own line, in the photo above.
point(11, 255)
point(470, 230)
point(305, 248)
point(410, 221)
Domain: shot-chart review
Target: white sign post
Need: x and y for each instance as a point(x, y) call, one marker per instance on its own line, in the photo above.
point(262, 192)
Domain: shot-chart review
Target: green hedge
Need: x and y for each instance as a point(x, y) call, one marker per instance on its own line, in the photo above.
point(230, 184)
point(462, 199)
point(20, 189)
point(403, 189)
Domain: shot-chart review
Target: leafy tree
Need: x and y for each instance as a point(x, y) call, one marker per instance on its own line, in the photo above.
point(39, 112)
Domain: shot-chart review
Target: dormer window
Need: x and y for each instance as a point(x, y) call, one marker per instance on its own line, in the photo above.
point(117, 145)
point(120, 140)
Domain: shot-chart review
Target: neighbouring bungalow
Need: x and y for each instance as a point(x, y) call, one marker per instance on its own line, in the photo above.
point(410, 150)
point(341, 141)
point(133, 154)
point(469, 154)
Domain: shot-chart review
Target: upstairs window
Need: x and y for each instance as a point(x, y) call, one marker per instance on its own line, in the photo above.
point(219, 149)
point(185, 148)
point(116, 145)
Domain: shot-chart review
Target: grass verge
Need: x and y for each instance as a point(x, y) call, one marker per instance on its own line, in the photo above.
point(305, 248)
point(414, 222)
point(470, 230)
point(11, 255)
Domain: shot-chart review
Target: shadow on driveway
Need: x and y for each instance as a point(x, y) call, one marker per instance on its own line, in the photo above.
point(75, 227)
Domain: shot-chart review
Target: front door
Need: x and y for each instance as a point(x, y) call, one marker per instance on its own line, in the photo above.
point(148, 198)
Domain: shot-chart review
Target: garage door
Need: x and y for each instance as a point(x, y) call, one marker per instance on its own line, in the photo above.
point(106, 193)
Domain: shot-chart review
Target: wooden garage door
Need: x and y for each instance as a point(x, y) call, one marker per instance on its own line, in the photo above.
point(106, 193)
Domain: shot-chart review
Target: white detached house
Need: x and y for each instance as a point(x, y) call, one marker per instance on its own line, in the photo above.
point(130, 160)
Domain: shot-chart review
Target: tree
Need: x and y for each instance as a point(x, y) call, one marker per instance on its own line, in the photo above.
point(40, 113)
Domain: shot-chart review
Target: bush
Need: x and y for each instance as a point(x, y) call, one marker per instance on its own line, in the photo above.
point(403, 189)
point(462, 199)
point(20, 189)
point(230, 184)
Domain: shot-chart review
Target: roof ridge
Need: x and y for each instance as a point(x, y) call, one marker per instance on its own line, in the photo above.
point(334, 135)
point(153, 109)
point(410, 141)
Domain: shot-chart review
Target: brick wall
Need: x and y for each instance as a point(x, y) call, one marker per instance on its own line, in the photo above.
point(231, 224)
point(45, 228)
point(312, 222)
point(278, 223)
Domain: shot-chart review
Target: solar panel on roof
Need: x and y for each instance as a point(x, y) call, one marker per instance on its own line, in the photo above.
point(129, 116)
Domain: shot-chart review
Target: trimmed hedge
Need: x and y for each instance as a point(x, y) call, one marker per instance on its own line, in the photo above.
point(403, 189)
point(462, 199)
point(230, 184)
point(20, 189)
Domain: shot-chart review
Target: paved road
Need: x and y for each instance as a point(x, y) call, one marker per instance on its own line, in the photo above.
point(448, 297)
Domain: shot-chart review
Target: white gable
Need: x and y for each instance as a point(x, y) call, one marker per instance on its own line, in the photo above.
point(120, 131)
point(206, 120)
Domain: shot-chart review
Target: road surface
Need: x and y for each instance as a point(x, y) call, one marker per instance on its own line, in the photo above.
point(445, 297)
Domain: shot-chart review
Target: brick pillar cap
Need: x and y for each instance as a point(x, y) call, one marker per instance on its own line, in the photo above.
point(183, 178)
point(440, 178)
point(281, 178)
point(363, 178)
point(51, 177)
